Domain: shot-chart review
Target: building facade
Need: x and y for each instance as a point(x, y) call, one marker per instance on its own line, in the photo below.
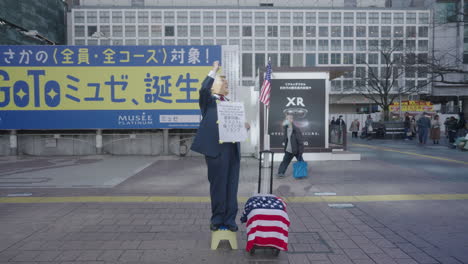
point(33, 22)
point(320, 33)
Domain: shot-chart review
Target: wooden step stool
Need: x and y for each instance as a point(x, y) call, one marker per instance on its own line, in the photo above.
point(223, 234)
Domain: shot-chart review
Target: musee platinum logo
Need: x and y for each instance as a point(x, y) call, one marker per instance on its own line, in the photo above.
point(131, 120)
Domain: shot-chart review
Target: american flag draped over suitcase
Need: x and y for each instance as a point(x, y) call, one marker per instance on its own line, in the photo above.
point(267, 222)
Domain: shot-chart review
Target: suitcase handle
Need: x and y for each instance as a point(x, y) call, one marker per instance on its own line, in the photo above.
point(260, 170)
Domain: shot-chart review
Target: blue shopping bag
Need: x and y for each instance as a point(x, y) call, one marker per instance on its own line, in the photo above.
point(300, 169)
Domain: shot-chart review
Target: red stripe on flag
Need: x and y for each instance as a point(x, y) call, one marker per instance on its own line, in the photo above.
point(276, 229)
point(267, 218)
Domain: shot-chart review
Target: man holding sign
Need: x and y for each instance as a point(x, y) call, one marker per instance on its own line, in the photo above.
point(222, 158)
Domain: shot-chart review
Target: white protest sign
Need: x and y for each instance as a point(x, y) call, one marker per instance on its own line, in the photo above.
point(231, 118)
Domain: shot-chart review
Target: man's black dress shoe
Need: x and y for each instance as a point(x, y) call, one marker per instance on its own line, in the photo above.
point(214, 227)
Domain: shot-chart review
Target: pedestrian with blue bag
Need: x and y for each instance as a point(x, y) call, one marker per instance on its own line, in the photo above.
point(293, 147)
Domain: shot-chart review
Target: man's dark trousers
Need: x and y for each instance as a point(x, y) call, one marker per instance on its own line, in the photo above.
point(223, 175)
point(286, 160)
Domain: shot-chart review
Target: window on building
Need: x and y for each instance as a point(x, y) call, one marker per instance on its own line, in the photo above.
point(272, 31)
point(323, 17)
point(411, 18)
point(272, 44)
point(259, 62)
point(310, 44)
point(169, 17)
point(208, 31)
point(234, 17)
point(336, 31)
point(373, 58)
point(246, 44)
point(398, 18)
point(285, 60)
point(185, 42)
point(323, 58)
point(335, 18)
point(92, 17)
point(298, 60)
point(247, 64)
point(348, 18)
point(208, 17)
point(348, 31)
point(130, 31)
point(323, 31)
point(169, 31)
point(79, 31)
point(423, 18)
point(285, 17)
point(411, 31)
point(260, 44)
point(386, 18)
point(117, 31)
point(423, 45)
point(411, 58)
point(195, 16)
point(91, 30)
point(336, 85)
point(348, 58)
point(156, 16)
point(310, 60)
point(311, 17)
point(361, 31)
point(234, 31)
point(143, 31)
point(360, 72)
point(298, 31)
point(361, 45)
point(285, 44)
point(104, 17)
point(323, 44)
point(373, 44)
point(410, 72)
point(221, 31)
point(348, 44)
point(398, 44)
point(386, 44)
point(246, 31)
point(272, 17)
point(310, 31)
point(374, 31)
point(260, 18)
point(298, 17)
point(361, 58)
point(298, 44)
point(182, 17)
point(361, 18)
point(374, 18)
point(397, 58)
point(398, 32)
point(80, 17)
point(423, 58)
point(423, 32)
point(195, 31)
point(234, 42)
point(143, 17)
point(285, 31)
point(335, 44)
point(273, 57)
point(221, 17)
point(348, 86)
point(386, 31)
point(198, 42)
point(260, 31)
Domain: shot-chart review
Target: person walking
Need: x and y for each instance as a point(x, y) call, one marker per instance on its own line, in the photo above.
point(424, 123)
point(369, 127)
point(461, 125)
point(341, 129)
point(354, 128)
point(435, 129)
point(407, 126)
point(222, 159)
point(413, 128)
point(452, 129)
point(293, 144)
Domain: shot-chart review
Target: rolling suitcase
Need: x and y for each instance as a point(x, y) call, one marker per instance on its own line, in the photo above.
point(266, 218)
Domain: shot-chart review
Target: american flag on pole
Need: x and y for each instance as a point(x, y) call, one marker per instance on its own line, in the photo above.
point(266, 86)
point(267, 222)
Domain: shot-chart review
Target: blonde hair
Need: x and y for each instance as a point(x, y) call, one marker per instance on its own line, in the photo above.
point(218, 83)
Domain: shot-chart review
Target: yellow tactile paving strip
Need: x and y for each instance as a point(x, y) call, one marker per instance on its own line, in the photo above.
point(411, 153)
point(203, 199)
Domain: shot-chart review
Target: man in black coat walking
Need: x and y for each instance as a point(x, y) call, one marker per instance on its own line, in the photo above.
point(293, 144)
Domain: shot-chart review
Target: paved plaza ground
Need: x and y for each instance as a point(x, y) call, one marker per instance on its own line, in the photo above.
point(410, 206)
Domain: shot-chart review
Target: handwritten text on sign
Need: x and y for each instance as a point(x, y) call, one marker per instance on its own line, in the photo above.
point(231, 116)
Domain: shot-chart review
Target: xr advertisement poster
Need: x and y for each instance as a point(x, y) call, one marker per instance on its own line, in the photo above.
point(304, 99)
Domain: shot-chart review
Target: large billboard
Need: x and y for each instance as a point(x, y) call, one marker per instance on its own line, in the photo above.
point(102, 87)
point(304, 99)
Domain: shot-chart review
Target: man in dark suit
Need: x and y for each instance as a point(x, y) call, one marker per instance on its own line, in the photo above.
point(222, 159)
point(293, 144)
